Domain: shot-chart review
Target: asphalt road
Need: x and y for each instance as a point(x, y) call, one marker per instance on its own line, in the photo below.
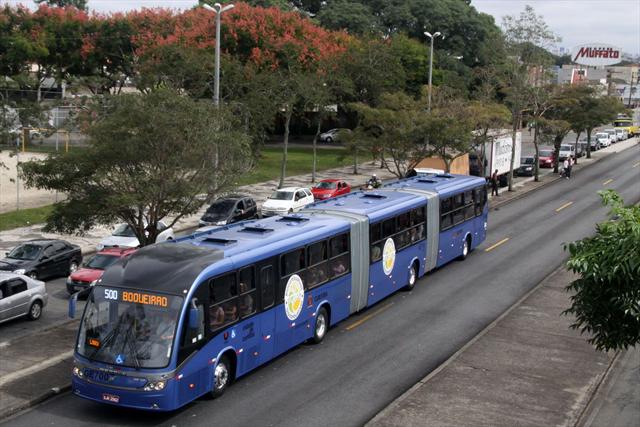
point(368, 360)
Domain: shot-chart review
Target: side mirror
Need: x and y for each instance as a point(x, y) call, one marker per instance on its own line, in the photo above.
point(238, 211)
point(44, 257)
point(72, 305)
point(194, 316)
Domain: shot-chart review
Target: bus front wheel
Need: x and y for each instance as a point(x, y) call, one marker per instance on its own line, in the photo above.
point(222, 377)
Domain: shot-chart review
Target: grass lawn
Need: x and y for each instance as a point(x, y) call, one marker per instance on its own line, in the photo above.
point(298, 163)
point(24, 217)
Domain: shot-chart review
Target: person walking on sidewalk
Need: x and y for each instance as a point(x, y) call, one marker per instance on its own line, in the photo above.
point(565, 168)
point(494, 183)
point(570, 159)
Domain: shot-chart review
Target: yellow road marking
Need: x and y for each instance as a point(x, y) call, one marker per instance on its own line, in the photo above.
point(566, 205)
point(609, 181)
point(367, 317)
point(495, 245)
point(636, 165)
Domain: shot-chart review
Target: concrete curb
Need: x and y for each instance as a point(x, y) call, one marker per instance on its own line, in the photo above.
point(52, 392)
point(584, 418)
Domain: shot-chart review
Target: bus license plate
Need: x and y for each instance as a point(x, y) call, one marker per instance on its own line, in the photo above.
point(110, 397)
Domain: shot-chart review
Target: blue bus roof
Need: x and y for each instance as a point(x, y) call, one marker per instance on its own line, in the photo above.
point(268, 234)
point(375, 204)
point(443, 184)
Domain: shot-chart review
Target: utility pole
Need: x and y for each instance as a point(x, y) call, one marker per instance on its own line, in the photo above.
point(428, 34)
point(218, 9)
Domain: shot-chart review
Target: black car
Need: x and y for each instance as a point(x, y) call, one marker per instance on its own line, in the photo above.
point(527, 164)
point(43, 258)
point(229, 209)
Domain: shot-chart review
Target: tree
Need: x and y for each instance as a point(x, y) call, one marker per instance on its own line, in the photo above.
point(606, 297)
point(78, 4)
point(150, 156)
point(527, 36)
point(593, 111)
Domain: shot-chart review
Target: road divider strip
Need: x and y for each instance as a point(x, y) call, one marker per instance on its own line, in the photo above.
point(609, 181)
point(636, 165)
point(566, 205)
point(35, 368)
point(495, 245)
point(367, 317)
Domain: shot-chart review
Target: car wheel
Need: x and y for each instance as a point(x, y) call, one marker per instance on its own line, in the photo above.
point(321, 327)
point(73, 266)
point(222, 377)
point(329, 140)
point(33, 275)
point(35, 311)
point(413, 277)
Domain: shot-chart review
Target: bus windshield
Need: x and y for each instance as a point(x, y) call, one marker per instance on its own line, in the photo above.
point(622, 123)
point(129, 327)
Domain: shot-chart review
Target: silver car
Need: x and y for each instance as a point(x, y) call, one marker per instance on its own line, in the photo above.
point(21, 296)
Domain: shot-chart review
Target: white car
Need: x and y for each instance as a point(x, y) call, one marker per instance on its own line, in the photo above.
point(21, 296)
point(603, 138)
point(567, 150)
point(613, 136)
point(287, 200)
point(124, 236)
point(622, 134)
point(333, 135)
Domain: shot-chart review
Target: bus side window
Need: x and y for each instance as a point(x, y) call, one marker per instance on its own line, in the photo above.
point(247, 293)
point(339, 261)
point(445, 214)
point(375, 237)
point(267, 287)
point(468, 205)
point(223, 308)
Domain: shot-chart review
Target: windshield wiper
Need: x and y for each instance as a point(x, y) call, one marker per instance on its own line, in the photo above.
point(132, 346)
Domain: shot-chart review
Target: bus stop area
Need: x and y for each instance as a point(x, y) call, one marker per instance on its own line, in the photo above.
point(511, 373)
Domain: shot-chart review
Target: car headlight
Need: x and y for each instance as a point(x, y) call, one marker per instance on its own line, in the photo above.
point(154, 386)
point(20, 271)
point(93, 283)
point(221, 223)
point(100, 246)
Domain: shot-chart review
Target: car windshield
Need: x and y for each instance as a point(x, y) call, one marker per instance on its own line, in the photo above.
point(546, 153)
point(527, 160)
point(26, 251)
point(281, 195)
point(129, 328)
point(565, 148)
point(101, 262)
point(124, 230)
point(221, 207)
point(602, 135)
point(326, 185)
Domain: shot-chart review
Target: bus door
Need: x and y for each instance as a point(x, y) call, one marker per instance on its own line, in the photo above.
point(250, 326)
point(290, 311)
point(267, 294)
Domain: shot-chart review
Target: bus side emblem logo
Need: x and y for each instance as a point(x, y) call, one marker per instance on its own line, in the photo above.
point(388, 256)
point(293, 297)
point(120, 359)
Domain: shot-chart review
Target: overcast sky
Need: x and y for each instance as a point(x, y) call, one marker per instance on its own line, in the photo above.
point(615, 22)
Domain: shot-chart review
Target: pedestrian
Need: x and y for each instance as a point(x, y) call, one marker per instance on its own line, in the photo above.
point(570, 167)
point(565, 168)
point(494, 183)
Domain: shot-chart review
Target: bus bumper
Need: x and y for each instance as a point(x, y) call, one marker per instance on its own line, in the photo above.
point(151, 401)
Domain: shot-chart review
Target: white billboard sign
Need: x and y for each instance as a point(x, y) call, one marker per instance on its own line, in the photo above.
point(596, 54)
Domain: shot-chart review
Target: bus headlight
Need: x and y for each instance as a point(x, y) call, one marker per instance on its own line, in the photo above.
point(78, 372)
point(154, 386)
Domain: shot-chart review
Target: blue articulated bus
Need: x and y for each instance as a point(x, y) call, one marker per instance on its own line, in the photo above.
point(181, 319)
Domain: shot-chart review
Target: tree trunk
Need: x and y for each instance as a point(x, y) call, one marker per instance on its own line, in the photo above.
point(283, 166)
point(516, 121)
point(315, 158)
point(589, 143)
point(575, 150)
point(556, 150)
point(355, 162)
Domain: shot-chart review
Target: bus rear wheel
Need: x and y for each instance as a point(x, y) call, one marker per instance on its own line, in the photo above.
point(321, 327)
point(413, 276)
point(466, 247)
point(222, 377)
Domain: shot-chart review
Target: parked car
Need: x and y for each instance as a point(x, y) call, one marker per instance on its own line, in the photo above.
point(567, 150)
point(43, 258)
point(20, 296)
point(613, 136)
point(622, 134)
point(124, 237)
point(91, 271)
point(546, 158)
point(328, 188)
point(333, 135)
point(526, 166)
point(230, 209)
point(287, 200)
point(595, 145)
point(603, 138)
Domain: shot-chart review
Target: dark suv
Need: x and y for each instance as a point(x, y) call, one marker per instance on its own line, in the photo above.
point(229, 209)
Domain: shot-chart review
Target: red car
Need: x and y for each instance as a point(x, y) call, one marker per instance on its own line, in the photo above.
point(328, 188)
point(84, 278)
point(546, 158)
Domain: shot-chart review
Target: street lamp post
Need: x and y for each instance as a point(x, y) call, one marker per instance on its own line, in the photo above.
point(428, 34)
point(218, 9)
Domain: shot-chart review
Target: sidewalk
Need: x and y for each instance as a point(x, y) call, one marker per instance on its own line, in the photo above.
point(528, 368)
